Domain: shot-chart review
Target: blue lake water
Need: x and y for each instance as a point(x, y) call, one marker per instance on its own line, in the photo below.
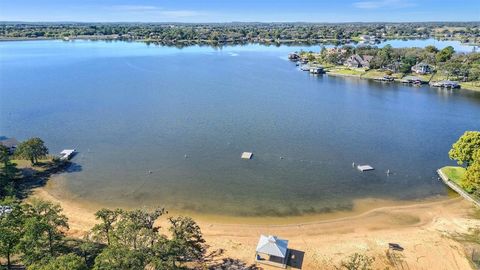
point(129, 108)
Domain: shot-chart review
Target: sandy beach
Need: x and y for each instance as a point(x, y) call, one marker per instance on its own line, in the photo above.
point(425, 230)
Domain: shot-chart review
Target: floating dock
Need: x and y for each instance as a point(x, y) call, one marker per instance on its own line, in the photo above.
point(247, 155)
point(67, 154)
point(364, 168)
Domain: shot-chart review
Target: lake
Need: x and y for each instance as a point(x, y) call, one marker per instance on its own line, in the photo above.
point(165, 126)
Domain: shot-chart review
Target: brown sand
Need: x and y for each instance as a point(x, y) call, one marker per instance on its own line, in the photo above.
point(423, 229)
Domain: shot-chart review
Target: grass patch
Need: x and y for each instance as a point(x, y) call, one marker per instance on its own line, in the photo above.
point(456, 174)
point(40, 166)
point(347, 71)
point(471, 85)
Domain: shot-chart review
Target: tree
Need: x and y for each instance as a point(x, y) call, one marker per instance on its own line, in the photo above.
point(407, 63)
point(357, 262)
point(32, 149)
point(8, 173)
point(472, 175)
point(431, 49)
point(445, 54)
point(64, 262)
point(462, 150)
point(102, 231)
point(11, 225)
point(42, 231)
point(136, 229)
point(187, 240)
point(384, 55)
point(120, 258)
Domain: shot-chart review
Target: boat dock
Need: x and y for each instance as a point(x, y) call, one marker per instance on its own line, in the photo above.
point(247, 155)
point(365, 168)
point(67, 154)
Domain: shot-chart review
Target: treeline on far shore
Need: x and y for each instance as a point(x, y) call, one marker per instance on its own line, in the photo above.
point(200, 33)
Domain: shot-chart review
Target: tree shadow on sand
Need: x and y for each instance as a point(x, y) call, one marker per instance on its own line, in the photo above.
point(39, 175)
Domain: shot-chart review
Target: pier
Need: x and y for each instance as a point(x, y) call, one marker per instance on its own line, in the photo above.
point(67, 154)
point(365, 168)
point(247, 155)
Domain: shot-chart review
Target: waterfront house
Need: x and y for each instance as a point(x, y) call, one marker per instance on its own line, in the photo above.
point(357, 61)
point(293, 56)
point(422, 68)
point(365, 37)
point(272, 250)
point(10, 143)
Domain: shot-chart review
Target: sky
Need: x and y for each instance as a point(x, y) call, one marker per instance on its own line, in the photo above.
point(239, 10)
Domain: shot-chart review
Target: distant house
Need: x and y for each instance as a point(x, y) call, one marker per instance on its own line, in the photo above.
point(10, 143)
point(293, 56)
point(422, 68)
point(365, 37)
point(357, 61)
point(336, 50)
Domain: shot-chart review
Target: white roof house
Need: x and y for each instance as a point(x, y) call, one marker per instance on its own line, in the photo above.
point(275, 248)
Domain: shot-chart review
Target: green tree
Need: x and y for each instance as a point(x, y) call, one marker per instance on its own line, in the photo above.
point(43, 231)
point(462, 151)
point(8, 173)
point(431, 49)
point(32, 149)
point(187, 240)
point(472, 174)
point(357, 262)
point(64, 262)
point(11, 225)
point(445, 54)
point(108, 218)
point(120, 258)
point(407, 63)
point(136, 229)
point(384, 55)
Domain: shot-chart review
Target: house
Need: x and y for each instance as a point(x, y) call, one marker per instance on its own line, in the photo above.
point(293, 56)
point(422, 68)
point(365, 37)
point(10, 143)
point(357, 61)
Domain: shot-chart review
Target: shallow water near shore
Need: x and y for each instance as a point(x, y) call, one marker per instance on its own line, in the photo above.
point(157, 126)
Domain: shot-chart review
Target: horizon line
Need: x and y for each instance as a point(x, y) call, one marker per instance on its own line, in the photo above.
point(232, 22)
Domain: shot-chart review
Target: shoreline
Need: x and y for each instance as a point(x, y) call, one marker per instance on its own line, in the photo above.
point(361, 76)
point(418, 227)
point(56, 190)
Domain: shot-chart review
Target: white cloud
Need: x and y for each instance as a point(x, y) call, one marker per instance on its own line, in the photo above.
point(376, 4)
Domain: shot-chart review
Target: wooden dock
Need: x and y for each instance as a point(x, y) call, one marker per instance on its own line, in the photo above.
point(458, 189)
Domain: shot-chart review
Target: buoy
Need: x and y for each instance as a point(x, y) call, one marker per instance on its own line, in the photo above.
point(149, 172)
point(186, 156)
point(281, 157)
point(388, 171)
